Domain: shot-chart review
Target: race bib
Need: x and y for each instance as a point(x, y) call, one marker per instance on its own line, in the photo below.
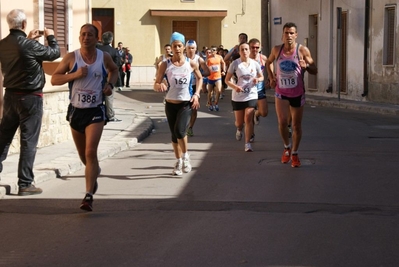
point(83, 98)
point(287, 82)
point(180, 82)
point(214, 68)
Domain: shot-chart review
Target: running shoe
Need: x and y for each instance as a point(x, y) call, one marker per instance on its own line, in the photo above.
point(186, 164)
point(210, 108)
point(295, 163)
point(177, 170)
point(238, 135)
point(252, 139)
point(190, 131)
point(256, 119)
point(248, 147)
point(87, 203)
point(286, 155)
point(216, 107)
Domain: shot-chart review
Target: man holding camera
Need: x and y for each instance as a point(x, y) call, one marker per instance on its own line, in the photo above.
point(21, 58)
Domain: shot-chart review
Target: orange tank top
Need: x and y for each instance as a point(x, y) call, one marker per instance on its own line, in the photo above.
point(214, 67)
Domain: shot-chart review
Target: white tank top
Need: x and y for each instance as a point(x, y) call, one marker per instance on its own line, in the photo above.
point(87, 92)
point(245, 75)
point(179, 79)
point(193, 78)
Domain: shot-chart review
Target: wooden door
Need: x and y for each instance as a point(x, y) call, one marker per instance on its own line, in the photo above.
point(103, 19)
point(187, 28)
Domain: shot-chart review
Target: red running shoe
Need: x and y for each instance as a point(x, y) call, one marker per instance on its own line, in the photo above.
point(285, 158)
point(295, 163)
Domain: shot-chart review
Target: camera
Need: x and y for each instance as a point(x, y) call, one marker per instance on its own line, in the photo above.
point(41, 32)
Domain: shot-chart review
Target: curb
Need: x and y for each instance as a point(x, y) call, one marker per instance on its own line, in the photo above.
point(141, 128)
point(359, 106)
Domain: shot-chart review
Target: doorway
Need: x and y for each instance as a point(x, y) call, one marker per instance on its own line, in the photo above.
point(187, 28)
point(103, 19)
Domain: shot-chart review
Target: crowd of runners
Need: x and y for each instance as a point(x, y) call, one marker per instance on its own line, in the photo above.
point(183, 73)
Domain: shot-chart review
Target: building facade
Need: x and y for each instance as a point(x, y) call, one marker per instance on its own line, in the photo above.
point(358, 57)
point(145, 26)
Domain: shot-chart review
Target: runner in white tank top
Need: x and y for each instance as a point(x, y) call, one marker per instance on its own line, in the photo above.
point(87, 92)
point(191, 52)
point(244, 96)
point(261, 106)
point(90, 74)
point(179, 100)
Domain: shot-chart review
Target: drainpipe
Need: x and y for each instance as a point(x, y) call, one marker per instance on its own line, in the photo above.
point(265, 27)
point(331, 49)
point(366, 49)
point(243, 7)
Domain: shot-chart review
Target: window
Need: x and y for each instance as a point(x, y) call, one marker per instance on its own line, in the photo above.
point(55, 17)
point(389, 35)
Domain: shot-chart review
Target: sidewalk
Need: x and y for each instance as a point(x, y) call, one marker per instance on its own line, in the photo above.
point(332, 101)
point(62, 159)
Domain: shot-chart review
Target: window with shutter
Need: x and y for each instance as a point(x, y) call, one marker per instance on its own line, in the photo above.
point(56, 18)
point(389, 35)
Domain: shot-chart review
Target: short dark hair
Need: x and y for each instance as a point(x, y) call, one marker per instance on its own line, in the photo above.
point(90, 25)
point(290, 25)
point(253, 41)
point(107, 38)
point(241, 45)
point(244, 34)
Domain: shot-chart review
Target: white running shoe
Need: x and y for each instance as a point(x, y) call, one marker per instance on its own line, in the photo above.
point(177, 170)
point(238, 135)
point(186, 164)
point(248, 147)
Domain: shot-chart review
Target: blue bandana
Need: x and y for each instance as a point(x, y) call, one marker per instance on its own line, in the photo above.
point(176, 36)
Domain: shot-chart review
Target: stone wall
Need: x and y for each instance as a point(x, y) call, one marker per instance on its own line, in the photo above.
point(55, 129)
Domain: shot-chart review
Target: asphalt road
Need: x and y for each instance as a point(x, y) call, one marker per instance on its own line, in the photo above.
point(234, 209)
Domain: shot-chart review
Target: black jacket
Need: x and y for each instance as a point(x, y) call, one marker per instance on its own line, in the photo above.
point(21, 61)
point(112, 52)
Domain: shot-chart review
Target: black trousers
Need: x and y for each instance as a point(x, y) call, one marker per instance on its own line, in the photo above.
point(23, 111)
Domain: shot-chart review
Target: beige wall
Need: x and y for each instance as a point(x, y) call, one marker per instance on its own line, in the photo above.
point(146, 35)
point(55, 128)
